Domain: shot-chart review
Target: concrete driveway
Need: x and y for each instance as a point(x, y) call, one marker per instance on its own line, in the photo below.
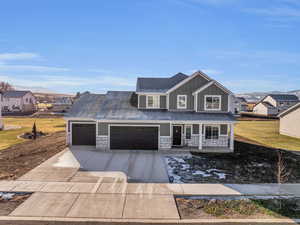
point(90, 164)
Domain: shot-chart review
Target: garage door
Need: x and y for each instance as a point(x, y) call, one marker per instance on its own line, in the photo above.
point(143, 138)
point(83, 134)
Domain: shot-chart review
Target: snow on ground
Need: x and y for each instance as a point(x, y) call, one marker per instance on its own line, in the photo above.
point(181, 171)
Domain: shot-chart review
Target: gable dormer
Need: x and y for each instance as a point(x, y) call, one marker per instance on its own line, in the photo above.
point(197, 92)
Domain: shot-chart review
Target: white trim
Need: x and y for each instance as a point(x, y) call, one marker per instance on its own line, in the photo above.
point(183, 107)
point(203, 87)
point(132, 125)
point(196, 103)
point(182, 130)
point(191, 126)
point(147, 106)
point(138, 101)
point(211, 83)
point(168, 102)
point(214, 96)
point(151, 93)
point(212, 125)
point(231, 145)
point(198, 73)
point(200, 136)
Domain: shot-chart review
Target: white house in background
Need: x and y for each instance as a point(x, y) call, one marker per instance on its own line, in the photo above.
point(1, 121)
point(274, 104)
point(18, 101)
point(240, 105)
point(290, 121)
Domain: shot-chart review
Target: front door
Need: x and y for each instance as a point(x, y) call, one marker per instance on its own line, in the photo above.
point(177, 131)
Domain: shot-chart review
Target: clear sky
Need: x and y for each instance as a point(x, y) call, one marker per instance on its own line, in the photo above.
point(99, 45)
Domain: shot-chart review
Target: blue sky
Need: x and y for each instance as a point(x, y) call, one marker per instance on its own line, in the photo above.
point(99, 45)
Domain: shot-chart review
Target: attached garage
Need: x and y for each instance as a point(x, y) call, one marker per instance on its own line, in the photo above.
point(134, 137)
point(83, 134)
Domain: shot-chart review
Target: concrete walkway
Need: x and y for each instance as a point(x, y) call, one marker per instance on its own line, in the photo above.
point(121, 200)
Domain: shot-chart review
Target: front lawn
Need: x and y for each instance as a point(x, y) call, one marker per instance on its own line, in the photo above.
point(266, 133)
point(9, 138)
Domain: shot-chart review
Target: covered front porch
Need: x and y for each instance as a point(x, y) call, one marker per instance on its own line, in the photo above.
point(203, 137)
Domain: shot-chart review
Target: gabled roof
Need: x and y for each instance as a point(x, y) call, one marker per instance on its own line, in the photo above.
point(284, 97)
point(117, 105)
point(211, 83)
point(15, 94)
point(289, 110)
point(159, 85)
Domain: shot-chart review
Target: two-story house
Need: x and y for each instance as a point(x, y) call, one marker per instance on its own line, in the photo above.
point(274, 104)
point(163, 113)
point(18, 101)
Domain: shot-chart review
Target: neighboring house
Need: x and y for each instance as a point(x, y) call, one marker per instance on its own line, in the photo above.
point(181, 111)
point(62, 104)
point(18, 101)
point(290, 121)
point(240, 105)
point(1, 121)
point(275, 103)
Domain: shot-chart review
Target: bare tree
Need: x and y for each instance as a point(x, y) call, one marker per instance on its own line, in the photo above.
point(282, 172)
point(4, 86)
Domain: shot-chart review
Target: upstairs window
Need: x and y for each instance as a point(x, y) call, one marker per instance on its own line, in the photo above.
point(181, 102)
point(212, 102)
point(153, 101)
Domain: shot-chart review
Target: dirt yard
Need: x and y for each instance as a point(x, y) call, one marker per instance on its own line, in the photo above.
point(10, 201)
point(17, 160)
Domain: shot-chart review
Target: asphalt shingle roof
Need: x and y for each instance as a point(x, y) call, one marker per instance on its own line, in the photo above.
point(284, 97)
point(159, 84)
point(14, 94)
point(116, 105)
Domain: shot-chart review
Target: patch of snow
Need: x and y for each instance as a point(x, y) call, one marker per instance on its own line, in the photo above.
point(6, 196)
point(202, 173)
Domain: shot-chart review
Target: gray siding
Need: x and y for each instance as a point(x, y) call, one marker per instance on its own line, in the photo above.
point(224, 129)
point(187, 89)
point(143, 99)
point(163, 102)
point(213, 90)
point(164, 128)
point(195, 128)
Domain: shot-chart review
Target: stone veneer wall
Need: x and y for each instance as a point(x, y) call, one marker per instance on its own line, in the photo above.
point(102, 142)
point(165, 143)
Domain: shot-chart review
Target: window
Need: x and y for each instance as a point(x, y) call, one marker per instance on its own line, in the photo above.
point(153, 101)
point(181, 101)
point(212, 102)
point(188, 132)
point(211, 132)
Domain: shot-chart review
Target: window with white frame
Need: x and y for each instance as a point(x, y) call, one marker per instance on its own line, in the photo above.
point(153, 101)
point(212, 102)
point(181, 102)
point(212, 132)
point(188, 132)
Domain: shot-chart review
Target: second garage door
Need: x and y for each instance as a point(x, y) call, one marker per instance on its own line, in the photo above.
point(143, 138)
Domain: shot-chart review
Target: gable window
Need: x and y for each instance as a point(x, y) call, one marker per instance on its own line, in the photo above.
point(188, 132)
point(181, 102)
point(153, 101)
point(212, 132)
point(212, 102)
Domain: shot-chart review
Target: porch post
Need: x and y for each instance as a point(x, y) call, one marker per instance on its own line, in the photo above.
point(231, 137)
point(200, 136)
